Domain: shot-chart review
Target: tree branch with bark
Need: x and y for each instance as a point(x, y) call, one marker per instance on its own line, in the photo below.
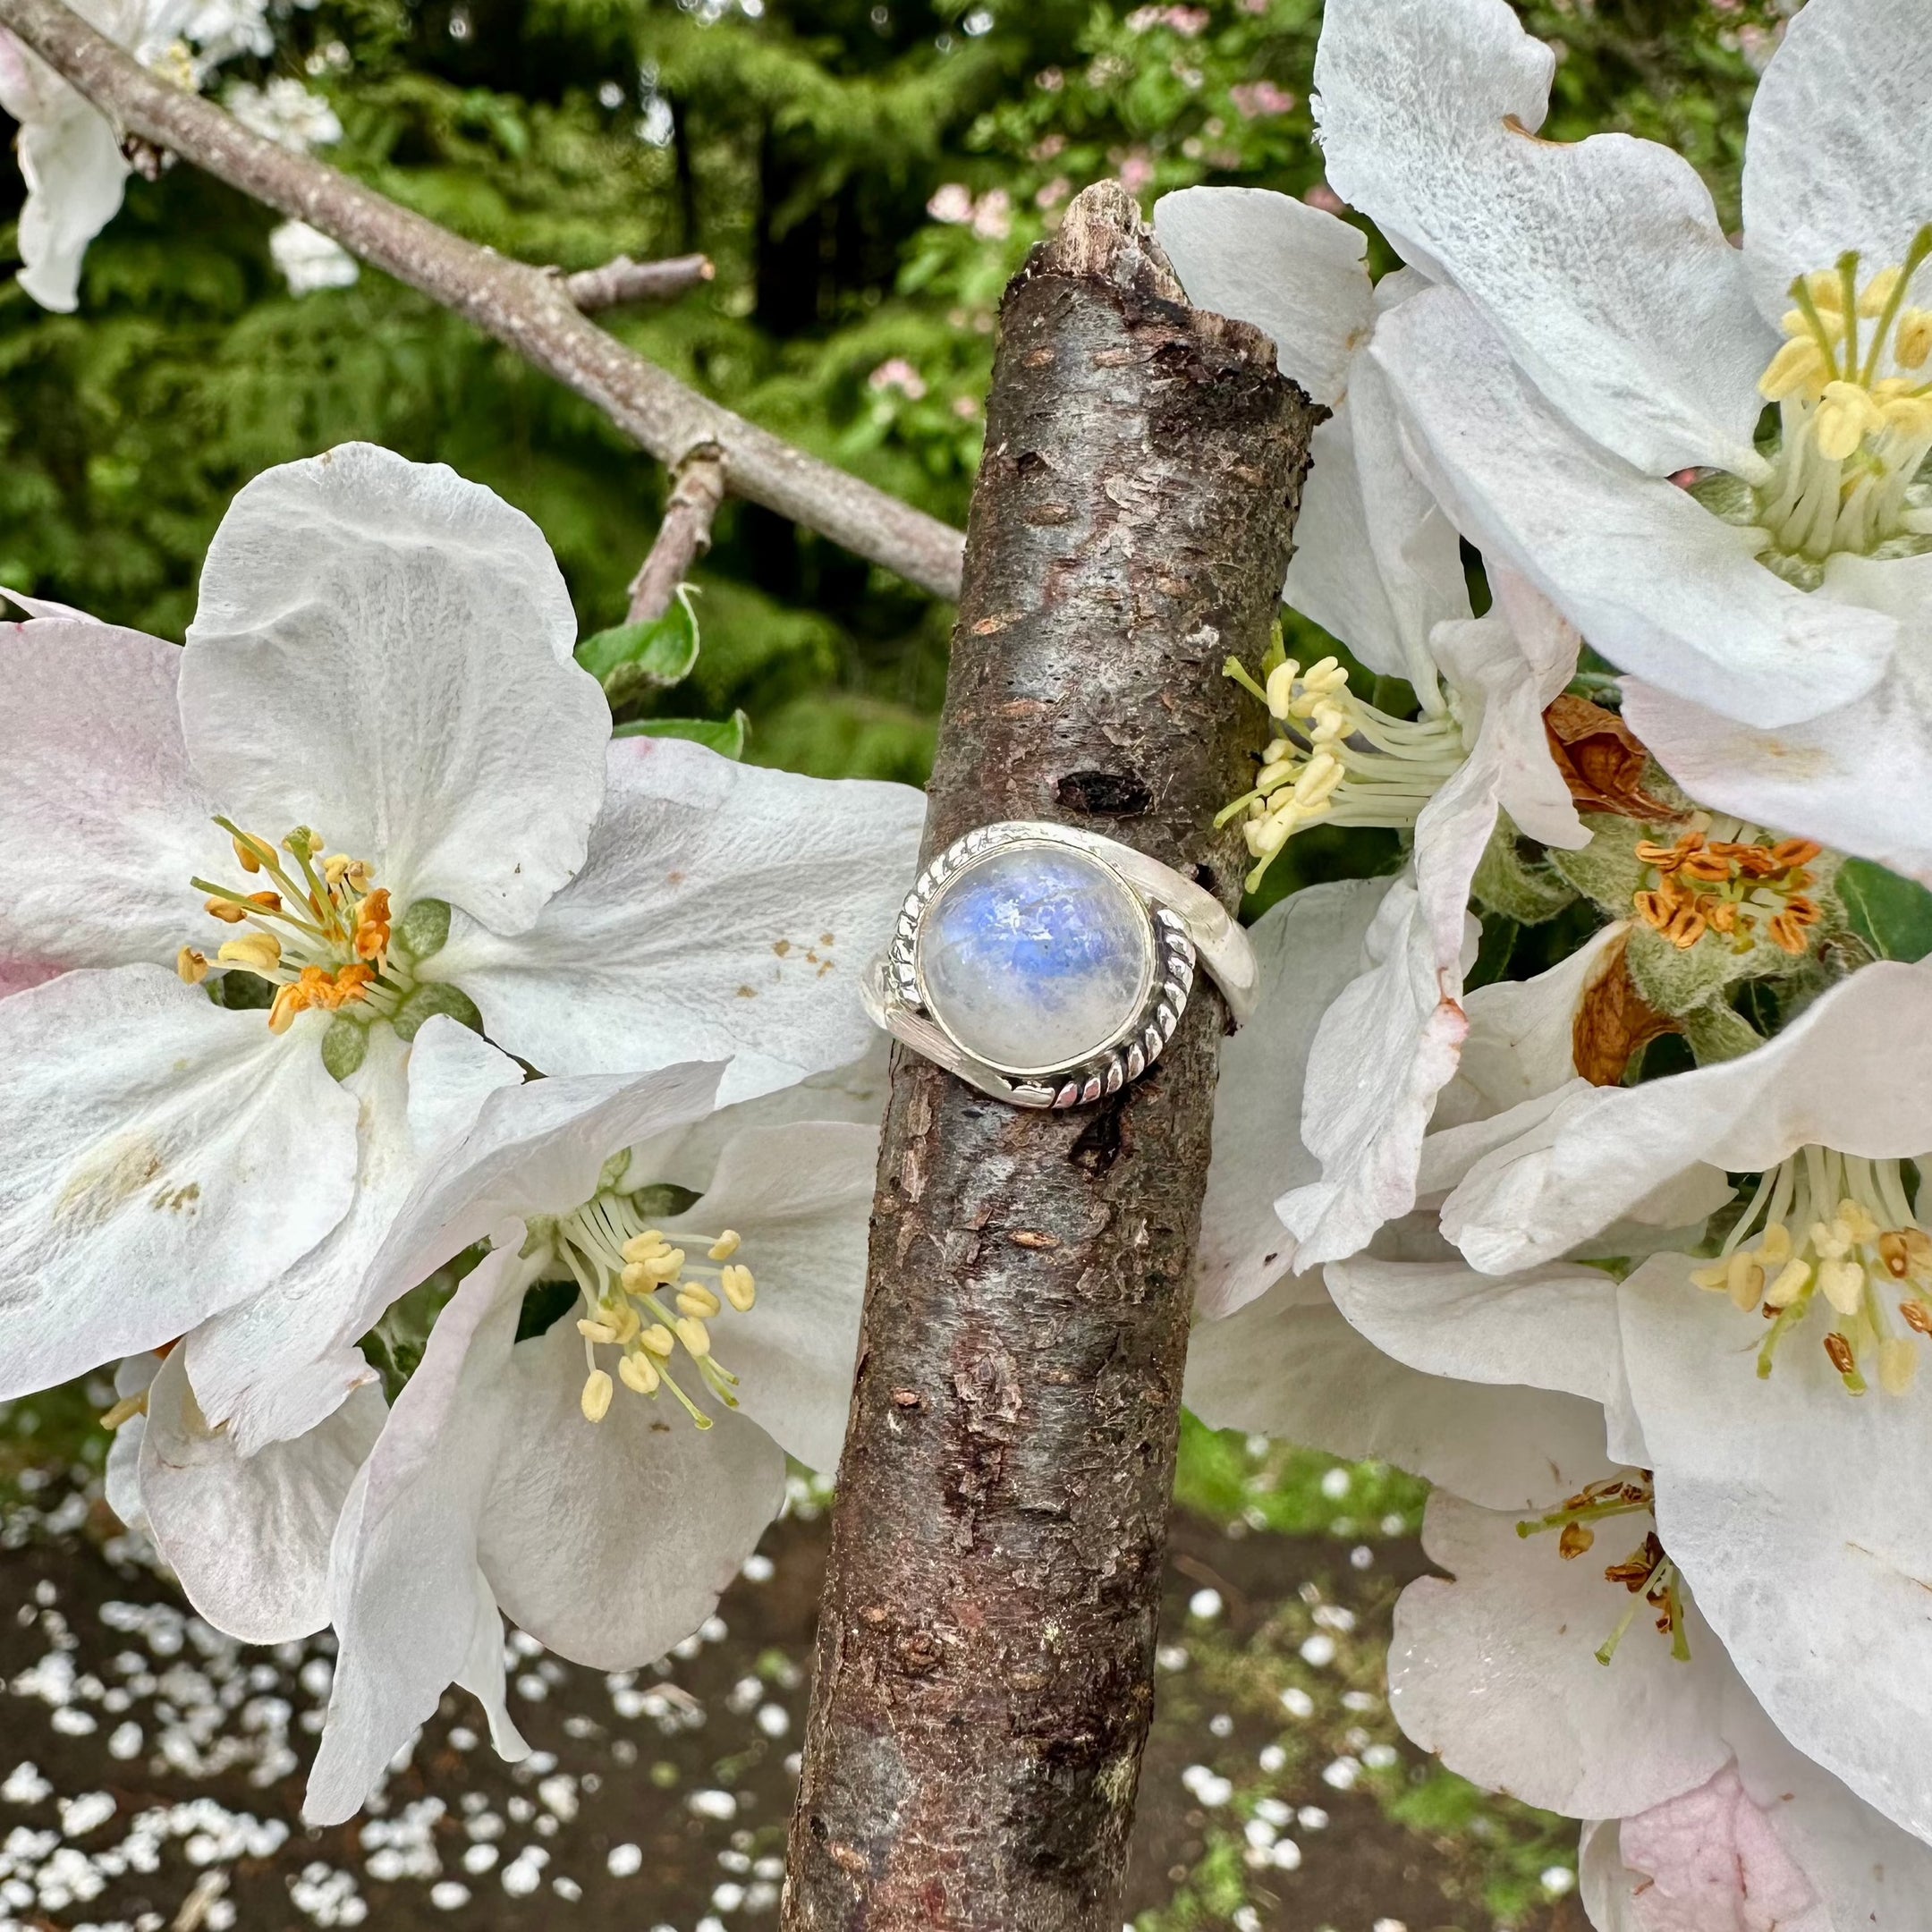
point(530, 310)
point(986, 1653)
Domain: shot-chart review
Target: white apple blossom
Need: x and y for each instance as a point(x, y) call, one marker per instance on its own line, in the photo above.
point(384, 651)
point(1768, 1387)
point(554, 1476)
point(1378, 565)
point(1533, 1668)
point(70, 158)
point(1598, 337)
point(308, 260)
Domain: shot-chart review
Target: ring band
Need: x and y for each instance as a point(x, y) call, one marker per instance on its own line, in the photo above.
point(1049, 966)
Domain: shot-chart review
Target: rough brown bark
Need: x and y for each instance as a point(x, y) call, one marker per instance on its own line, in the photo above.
point(527, 309)
point(985, 1649)
point(622, 280)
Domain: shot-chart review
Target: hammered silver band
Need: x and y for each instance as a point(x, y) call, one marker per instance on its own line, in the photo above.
point(1186, 928)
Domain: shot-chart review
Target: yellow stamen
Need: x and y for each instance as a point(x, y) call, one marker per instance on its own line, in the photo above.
point(739, 1288)
point(725, 1246)
point(246, 856)
point(639, 1372)
point(695, 1336)
point(694, 1299)
point(596, 1400)
point(258, 953)
point(659, 1340)
point(192, 966)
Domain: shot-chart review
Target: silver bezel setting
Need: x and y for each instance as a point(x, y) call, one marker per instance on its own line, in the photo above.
point(897, 996)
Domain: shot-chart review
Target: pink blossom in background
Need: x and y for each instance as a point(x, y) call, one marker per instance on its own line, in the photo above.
point(952, 203)
point(992, 216)
point(1136, 173)
point(1053, 193)
point(1322, 196)
point(1049, 80)
point(1257, 99)
point(898, 374)
point(1185, 20)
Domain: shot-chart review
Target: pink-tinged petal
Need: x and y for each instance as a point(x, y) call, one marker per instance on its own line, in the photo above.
point(1601, 262)
point(1662, 587)
point(162, 1159)
point(382, 651)
point(1709, 1860)
point(725, 912)
point(248, 1536)
point(106, 825)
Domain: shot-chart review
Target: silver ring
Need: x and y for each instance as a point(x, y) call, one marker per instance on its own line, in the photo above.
point(1049, 966)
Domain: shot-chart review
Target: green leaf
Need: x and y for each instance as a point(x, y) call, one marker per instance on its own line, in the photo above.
point(725, 735)
point(1893, 914)
point(633, 659)
point(241, 992)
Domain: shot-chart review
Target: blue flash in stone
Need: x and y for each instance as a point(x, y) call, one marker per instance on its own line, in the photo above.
point(1036, 957)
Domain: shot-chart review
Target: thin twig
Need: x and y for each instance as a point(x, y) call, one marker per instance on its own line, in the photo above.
point(683, 536)
point(519, 305)
point(627, 281)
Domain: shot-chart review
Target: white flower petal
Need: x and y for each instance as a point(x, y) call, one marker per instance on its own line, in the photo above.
point(1553, 1327)
point(104, 823)
point(1814, 779)
point(1385, 1049)
point(409, 1606)
point(536, 1149)
point(274, 1367)
point(1296, 272)
point(725, 911)
point(248, 1536)
point(1289, 1366)
point(1796, 1513)
point(1496, 1672)
point(800, 1195)
point(611, 1541)
point(1655, 582)
point(1853, 1073)
point(76, 175)
point(383, 650)
point(132, 1375)
point(162, 1159)
point(1836, 157)
point(1309, 947)
point(1601, 262)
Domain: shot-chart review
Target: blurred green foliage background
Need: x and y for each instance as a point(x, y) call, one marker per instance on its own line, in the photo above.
point(801, 144)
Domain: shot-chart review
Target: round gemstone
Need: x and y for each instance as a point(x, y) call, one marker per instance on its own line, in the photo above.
point(1035, 957)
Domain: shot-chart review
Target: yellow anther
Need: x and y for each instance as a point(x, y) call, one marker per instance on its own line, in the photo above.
point(1281, 688)
point(1745, 1281)
point(1912, 338)
point(596, 1400)
point(639, 1372)
point(1715, 1279)
point(225, 909)
point(192, 966)
point(725, 1246)
point(1846, 415)
point(1879, 290)
point(1789, 1284)
point(596, 1331)
point(125, 1409)
point(695, 1336)
point(694, 1299)
point(1799, 368)
point(1775, 1250)
point(1829, 1240)
point(258, 953)
point(1827, 289)
point(739, 1289)
point(246, 856)
point(335, 868)
point(659, 1340)
point(288, 1003)
point(1898, 1363)
point(641, 1246)
point(1856, 1223)
point(1843, 1284)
